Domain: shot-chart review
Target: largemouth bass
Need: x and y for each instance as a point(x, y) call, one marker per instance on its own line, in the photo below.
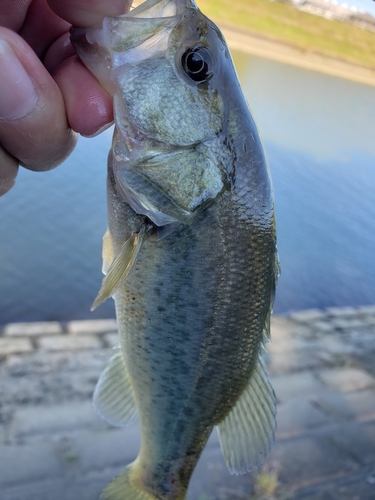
point(190, 254)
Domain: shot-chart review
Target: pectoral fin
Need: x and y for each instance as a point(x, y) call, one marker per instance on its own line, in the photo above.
point(107, 252)
point(113, 396)
point(247, 432)
point(120, 267)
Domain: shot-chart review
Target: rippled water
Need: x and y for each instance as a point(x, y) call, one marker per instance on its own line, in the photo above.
point(318, 133)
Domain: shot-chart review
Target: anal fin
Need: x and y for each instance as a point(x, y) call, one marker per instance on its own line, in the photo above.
point(113, 396)
point(246, 434)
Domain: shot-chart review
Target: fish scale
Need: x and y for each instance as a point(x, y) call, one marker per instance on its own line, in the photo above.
point(190, 255)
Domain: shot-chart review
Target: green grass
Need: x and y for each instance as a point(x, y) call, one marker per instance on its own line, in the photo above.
point(282, 22)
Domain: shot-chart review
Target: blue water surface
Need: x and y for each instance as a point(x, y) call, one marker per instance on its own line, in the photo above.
point(318, 134)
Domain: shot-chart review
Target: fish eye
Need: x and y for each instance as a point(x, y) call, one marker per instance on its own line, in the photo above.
point(197, 64)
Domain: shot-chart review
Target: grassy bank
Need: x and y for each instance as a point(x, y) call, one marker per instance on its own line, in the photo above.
point(282, 22)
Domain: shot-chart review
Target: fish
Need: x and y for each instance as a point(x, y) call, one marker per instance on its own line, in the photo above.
point(190, 253)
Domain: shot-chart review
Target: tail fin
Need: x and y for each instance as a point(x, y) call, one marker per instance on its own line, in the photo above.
point(123, 488)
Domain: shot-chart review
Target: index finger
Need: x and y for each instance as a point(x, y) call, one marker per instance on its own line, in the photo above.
point(33, 122)
point(88, 13)
point(13, 14)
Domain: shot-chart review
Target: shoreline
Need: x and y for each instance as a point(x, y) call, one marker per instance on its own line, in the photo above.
point(276, 50)
point(281, 52)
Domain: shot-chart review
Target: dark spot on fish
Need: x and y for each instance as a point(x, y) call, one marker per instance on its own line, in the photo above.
point(188, 411)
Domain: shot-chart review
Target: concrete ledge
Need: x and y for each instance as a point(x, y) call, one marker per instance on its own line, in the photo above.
point(347, 379)
point(14, 346)
point(69, 342)
point(94, 326)
point(33, 329)
point(43, 419)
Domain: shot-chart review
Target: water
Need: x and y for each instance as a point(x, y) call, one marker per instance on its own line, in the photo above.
point(318, 133)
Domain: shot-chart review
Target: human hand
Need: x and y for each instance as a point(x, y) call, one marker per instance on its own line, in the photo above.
point(46, 94)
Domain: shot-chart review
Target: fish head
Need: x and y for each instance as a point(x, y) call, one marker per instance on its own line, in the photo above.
point(175, 88)
point(164, 54)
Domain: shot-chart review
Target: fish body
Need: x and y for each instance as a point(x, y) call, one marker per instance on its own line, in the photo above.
point(190, 255)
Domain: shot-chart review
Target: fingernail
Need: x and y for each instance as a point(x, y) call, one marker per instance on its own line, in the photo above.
point(99, 131)
point(17, 92)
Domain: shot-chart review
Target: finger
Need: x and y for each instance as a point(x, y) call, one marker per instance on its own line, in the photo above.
point(42, 27)
point(8, 171)
point(33, 123)
point(60, 50)
point(12, 14)
point(89, 107)
point(88, 12)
